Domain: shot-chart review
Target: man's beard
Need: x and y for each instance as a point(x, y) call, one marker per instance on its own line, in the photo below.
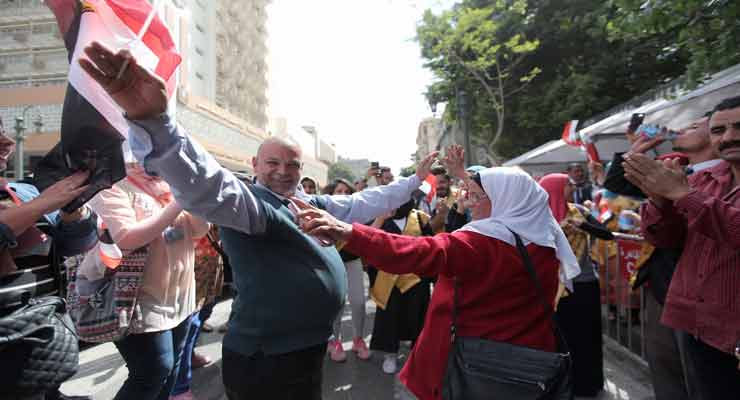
point(443, 193)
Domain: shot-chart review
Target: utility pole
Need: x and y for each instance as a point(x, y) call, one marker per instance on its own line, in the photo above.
point(19, 138)
point(20, 128)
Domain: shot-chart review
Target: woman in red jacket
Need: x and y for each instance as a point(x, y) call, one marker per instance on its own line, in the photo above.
point(496, 296)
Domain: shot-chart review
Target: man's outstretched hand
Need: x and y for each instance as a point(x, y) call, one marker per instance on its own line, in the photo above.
point(139, 92)
point(320, 224)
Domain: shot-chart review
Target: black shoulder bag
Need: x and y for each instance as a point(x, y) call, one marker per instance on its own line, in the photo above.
point(480, 369)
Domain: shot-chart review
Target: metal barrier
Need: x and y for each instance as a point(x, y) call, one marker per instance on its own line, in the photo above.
point(624, 317)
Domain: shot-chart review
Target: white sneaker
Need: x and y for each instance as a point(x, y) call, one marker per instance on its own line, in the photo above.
point(389, 363)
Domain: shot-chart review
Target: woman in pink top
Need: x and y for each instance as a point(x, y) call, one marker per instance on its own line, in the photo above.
point(140, 211)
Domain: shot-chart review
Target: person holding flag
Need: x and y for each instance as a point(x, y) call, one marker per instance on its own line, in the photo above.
point(290, 285)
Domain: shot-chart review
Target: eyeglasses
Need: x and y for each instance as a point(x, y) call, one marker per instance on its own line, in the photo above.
point(477, 196)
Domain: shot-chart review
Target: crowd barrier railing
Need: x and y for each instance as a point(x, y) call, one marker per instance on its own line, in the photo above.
point(623, 309)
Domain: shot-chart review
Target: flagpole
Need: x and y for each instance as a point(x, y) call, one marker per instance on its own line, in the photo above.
point(140, 36)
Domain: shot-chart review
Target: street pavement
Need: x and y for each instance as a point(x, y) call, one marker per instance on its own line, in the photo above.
point(102, 371)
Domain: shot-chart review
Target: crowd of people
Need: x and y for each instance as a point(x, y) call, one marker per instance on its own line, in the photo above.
point(463, 266)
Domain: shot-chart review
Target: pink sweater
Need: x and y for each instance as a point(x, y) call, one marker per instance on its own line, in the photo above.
point(167, 294)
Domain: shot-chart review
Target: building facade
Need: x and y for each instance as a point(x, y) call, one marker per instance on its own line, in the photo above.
point(221, 98)
point(428, 136)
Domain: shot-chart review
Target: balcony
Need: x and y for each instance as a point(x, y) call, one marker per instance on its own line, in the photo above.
point(23, 10)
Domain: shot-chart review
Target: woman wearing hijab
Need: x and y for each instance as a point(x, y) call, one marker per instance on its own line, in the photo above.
point(579, 313)
point(496, 296)
point(401, 299)
point(140, 211)
point(310, 185)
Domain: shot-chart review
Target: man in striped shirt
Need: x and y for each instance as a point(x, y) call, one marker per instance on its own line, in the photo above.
point(701, 213)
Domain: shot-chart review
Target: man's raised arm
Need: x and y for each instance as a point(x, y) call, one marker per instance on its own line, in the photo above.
point(199, 183)
point(365, 205)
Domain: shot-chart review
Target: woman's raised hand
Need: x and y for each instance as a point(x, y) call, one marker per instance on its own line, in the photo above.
point(454, 161)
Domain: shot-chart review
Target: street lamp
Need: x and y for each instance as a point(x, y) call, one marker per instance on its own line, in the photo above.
point(463, 114)
point(20, 127)
point(433, 106)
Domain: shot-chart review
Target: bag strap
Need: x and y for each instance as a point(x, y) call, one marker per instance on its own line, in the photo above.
point(533, 276)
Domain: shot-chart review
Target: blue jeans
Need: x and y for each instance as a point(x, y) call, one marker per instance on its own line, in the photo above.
point(153, 361)
point(185, 375)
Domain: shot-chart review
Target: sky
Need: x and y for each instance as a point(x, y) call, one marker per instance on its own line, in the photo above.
point(351, 69)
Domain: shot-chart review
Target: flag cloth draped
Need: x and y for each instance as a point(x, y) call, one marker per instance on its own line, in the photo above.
point(572, 138)
point(93, 127)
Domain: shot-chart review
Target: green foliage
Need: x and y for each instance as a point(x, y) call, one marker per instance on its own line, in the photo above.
point(558, 60)
point(339, 170)
point(471, 48)
point(408, 171)
point(708, 31)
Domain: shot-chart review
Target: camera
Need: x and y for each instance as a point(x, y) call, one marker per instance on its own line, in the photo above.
point(376, 166)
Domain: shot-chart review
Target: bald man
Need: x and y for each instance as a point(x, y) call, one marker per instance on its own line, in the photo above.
point(290, 285)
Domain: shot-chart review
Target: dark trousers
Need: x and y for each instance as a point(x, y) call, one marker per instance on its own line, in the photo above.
point(662, 354)
point(153, 361)
point(402, 319)
point(710, 374)
point(579, 318)
point(291, 376)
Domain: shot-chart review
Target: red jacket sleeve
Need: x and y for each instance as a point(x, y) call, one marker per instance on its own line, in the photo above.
point(425, 256)
point(665, 227)
point(711, 216)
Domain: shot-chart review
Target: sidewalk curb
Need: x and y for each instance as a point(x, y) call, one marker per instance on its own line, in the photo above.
point(625, 357)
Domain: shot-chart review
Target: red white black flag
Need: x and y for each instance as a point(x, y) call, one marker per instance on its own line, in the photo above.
point(570, 134)
point(93, 127)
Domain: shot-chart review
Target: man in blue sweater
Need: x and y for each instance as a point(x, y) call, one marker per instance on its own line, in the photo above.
point(290, 285)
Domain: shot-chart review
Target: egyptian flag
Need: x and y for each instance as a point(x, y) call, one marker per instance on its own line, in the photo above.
point(590, 147)
point(429, 187)
point(570, 135)
point(573, 138)
point(93, 127)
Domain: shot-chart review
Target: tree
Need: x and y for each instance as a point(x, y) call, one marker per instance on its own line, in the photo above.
point(408, 171)
point(583, 67)
point(339, 170)
point(478, 49)
point(708, 30)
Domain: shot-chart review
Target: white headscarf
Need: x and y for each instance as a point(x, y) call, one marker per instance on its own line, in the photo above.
point(520, 204)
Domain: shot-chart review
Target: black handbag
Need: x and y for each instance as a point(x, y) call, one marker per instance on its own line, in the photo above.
point(484, 369)
point(38, 347)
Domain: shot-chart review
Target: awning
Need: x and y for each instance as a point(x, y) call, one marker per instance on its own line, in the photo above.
point(675, 111)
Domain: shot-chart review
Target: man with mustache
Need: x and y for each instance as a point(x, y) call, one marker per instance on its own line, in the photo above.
point(702, 212)
point(661, 342)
